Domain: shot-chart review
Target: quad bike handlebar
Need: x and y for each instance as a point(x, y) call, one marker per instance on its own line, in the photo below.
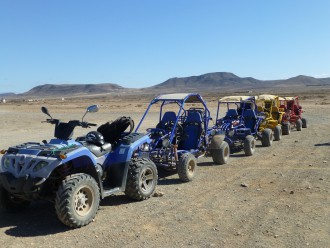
point(72, 123)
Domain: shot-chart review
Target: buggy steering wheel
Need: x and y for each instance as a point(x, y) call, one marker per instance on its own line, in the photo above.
point(168, 126)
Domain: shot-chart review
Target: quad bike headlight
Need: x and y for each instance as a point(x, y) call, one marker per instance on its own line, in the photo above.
point(6, 163)
point(40, 165)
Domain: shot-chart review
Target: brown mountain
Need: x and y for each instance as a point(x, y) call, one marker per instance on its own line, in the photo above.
point(207, 81)
point(221, 81)
point(230, 82)
point(56, 90)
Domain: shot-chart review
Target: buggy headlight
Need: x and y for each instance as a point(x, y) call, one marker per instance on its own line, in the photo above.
point(145, 147)
point(40, 165)
point(166, 143)
point(6, 163)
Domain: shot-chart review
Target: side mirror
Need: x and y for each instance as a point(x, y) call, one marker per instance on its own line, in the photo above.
point(45, 111)
point(93, 108)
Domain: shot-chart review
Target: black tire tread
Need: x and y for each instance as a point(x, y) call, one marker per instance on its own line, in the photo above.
point(299, 124)
point(286, 129)
point(266, 139)
point(182, 168)
point(248, 150)
point(277, 133)
point(218, 154)
point(132, 183)
point(304, 122)
point(66, 191)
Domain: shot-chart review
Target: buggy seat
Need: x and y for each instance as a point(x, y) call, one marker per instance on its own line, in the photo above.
point(192, 130)
point(275, 113)
point(98, 151)
point(169, 116)
point(231, 114)
point(250, 119)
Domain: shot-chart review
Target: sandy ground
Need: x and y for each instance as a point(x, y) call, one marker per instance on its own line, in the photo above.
point(285, 203)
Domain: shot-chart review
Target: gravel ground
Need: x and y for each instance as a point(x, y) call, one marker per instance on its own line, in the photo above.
point(277, 198)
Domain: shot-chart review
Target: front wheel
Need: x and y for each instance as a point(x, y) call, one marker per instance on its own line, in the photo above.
point(304, 123)
point(249, 145)
point(10, 203)
point(77, 200)
point(267, 137)
point(277, 133)
point(286, 128)
point(187, 167)
point(299, 124)
point(141, 179)
point(221, 154)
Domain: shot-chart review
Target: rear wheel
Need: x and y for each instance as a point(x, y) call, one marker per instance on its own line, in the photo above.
point(187, 167)
point(304, 123)
point(277, 133)
point(249, 145)
point(10, 203)
point(286, 129)
point(141, 179)
point(298, 125)
point(221, 154)
point(77, 200)
point(267, 137)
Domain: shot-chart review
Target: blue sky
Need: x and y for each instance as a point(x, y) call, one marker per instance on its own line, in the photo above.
point(139, 43)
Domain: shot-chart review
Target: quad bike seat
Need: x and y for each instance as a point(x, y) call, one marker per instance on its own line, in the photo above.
point(97, 150)
point(192, 130)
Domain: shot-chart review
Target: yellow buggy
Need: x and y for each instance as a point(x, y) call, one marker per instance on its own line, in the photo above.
point(269, 106)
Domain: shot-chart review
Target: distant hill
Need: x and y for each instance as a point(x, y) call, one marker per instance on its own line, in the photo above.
point(229, 81)
point(8, 94)
point(220, 81)
point(57, 90)
point(207, 81)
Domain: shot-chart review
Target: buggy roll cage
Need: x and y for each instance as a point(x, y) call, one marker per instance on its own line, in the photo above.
point(180, 99)
point(239, 101)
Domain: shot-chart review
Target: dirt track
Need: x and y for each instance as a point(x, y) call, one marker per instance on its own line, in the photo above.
point(285, 204)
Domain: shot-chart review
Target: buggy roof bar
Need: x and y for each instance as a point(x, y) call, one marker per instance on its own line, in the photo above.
point(178, 98)
point(182, 97)
point(234, 99)
point(266, 97)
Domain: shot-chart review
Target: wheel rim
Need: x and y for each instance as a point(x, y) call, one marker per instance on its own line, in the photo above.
point(147, 180)
point(191, 167)
point(84, 200)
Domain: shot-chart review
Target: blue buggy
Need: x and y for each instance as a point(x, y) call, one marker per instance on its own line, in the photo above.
point(181, 134)
point(238, 121)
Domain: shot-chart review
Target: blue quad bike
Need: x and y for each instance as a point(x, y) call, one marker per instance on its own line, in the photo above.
point(238, 121)
point(76, 174)
point(181, 135)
